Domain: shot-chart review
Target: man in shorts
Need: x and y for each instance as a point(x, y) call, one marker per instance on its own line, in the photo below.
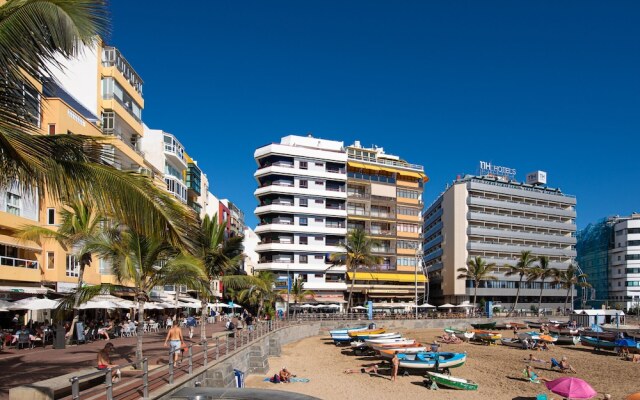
point(104, 362)
point(174, 339)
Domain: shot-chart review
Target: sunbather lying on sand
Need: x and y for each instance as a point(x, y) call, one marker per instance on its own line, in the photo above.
point(363, 370)
point(531, 358)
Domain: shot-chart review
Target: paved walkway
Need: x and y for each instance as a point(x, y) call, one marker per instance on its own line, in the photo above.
point(32, 365)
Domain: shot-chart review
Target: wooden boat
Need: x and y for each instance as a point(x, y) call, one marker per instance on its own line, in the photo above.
point(558, 330)
point(387, 354)
point(620, 328)
point(610, 336)
point(338, 339)
point(517, 343)
point(395, 346)
point(597, 343)
point(346, 330)
point(567, 339)
point(371, 342)
point(452, 382)
point(518, 325)
point(428, 360)
point(531, 335)
point(502, 326)
point(454, 330)
point(487, 335)
point(365, 333)
point(484, 325)
point(548, 338)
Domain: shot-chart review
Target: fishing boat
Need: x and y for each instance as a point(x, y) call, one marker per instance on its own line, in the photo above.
point(428, 360)
point(502, 326)
point(620, 328)
point(598, 333)
point(484, 325)
point(531, 335)
point(454, 330)
point(339, 339)
point(534, 324)
point(487, 335)
point(518, 325)
point(387, 354)
point(567, 339)
point(547, 338)
point(346, 330)
point(365, 333)
point(395, 346)
point(564, 330)
point(371, 342)
point(452, 382)
point(597, 343)
point(517, 343)
point(390, 335)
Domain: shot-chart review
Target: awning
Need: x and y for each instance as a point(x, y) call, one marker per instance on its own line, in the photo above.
point(25, 289)
point(363, 166)
point(380, 276)
point(329, 299)
point(15, 242)
point(412, 174)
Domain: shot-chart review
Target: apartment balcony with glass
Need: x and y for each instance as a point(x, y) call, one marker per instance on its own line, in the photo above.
point(176, 187)
point(174, 151)
point(113, 124)
point(18, 260)
point(111, 90)
point(111, 57)
point(194, 178)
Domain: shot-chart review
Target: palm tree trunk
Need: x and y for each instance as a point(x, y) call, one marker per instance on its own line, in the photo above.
point(515, 303)
point(140, 329)
point(353, 281)
point(203, 321)
point(76, 302)
point(540, 298)
point(475, 293)
point(566, 300)
point(260, 305)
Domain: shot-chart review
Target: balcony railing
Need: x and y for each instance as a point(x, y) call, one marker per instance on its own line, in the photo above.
point(111, 56)
point(337, 226)
point(335, 188)
point(277, 164)
point(386, 162)
point(276, 203)
point(18, 262)
point(375, 214)
point(334, 207)
point(336, 171)
point(278, 183)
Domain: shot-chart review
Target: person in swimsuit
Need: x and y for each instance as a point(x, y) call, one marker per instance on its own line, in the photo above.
point(363, 370)
point(175, 339)
point(104, 362)
point(395, 363)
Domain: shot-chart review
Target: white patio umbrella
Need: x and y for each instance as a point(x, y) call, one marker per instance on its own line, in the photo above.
point(237, 306)
point(465, 305)
point(122, 303)
point(425, 305)
point(33, 304)
point(306, 306)
point(333, 306)
point(98, 304)
point(447, 306)
point(358, 308)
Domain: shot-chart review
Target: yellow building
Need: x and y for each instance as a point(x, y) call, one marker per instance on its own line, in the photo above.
point(97, 94)
point(384, 198)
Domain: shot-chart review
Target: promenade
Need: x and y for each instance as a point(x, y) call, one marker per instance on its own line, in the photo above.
point(32, 365)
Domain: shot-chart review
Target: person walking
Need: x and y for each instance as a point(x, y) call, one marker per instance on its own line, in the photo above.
point(175, 339)
point(191, 324)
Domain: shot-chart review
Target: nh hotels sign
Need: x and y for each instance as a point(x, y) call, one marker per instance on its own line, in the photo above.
point(487, 168)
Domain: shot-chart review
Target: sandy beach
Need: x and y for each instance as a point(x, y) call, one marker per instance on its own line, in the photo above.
point(497, 369)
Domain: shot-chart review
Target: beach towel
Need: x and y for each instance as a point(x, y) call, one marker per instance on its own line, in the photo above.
point(302, 380)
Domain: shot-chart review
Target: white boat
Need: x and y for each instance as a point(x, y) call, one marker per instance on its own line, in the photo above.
point(466, 336)
point(346, 330)
point(387, 353)
point(396, 341)
point(389, 335)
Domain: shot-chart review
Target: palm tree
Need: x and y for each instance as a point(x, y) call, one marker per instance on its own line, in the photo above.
point(569, 277)
point(80, 223)
point(260, 292)
point(146, 262)
point(477, 270)
point(35, 35)
point(541, 272)
point(219, 256)
point(521, 269)
point(357, 253)
point(298, 292)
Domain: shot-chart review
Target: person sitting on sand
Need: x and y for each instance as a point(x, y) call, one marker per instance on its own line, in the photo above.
point(531, 358)
point(531, 375)
point(363, 370)
point(563, 365)
point(285, 375)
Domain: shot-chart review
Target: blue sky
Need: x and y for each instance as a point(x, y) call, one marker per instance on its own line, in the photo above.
point(527, 84)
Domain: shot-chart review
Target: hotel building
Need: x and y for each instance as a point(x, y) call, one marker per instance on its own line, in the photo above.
point(496, 218)
point(609, 253)
point(302, 213)
point(384, 198)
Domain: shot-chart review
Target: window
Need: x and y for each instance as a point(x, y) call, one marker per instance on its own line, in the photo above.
point(319, 164)
point(408, 194)
point(13, 203)
point(619, 258)
point(319, 238)
point(320, 183)
point(303, 184)
point(319, 201)
point(620, 232)
point(320, 220)
point(632, 257)
point(303, 165)
point(104, 267)
point(631, 283)
point(318, 275)
point(406, 244)
point(406, 261)
point(408, 211)
point(619, 284)
point(72, 266)
point(319, 257)
point(303, 259)
point(52, 129)
point(303, 221)
point(633, 230)
point(51, 216)
point(633, 243)
point(304, 240)
point(408, 228)
point(304, 202)
point(51, 260)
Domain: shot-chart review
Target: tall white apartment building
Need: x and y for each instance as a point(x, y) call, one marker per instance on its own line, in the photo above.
point(624, 274)
point(165, 152)
point(302, 214)
point(497, 218)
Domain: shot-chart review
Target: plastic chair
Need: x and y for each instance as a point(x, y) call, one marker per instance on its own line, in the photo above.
point(23, 339)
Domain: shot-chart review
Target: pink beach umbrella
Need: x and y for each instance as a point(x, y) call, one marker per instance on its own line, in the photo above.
point(571, 388)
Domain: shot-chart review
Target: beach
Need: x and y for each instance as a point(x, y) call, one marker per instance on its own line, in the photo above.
point(497, 369)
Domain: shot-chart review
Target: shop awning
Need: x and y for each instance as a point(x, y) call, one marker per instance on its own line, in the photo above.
point(380, 276)
point(412, 174)
point(25, 289)
point(15, 242)
point(363, 166)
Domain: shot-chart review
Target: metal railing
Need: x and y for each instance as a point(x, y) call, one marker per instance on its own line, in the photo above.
point(207, 351)
point(18, 262)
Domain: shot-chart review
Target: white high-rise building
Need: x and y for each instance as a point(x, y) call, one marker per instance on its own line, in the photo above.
point(302, 214)
point(624, 274)
point(166, 153)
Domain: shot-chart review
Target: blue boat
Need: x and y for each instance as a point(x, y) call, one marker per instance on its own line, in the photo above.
point(597, 343)
point(344, 331)
point(427, 360)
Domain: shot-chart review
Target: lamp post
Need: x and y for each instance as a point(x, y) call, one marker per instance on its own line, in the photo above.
point(288, 292)
point(418, 258)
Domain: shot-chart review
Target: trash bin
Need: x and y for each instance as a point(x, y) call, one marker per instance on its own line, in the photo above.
point(372, 326)
point(239, 378)
point(58, 338)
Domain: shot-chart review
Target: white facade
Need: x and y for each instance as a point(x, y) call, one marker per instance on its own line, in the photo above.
point(212, 207)
point(624, 273)
point(166, 153)
point(19, 201)
point(302, 213)
point(249, 243)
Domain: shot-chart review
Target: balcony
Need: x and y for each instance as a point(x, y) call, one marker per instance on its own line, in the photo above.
point(176, 187)
point(386, 162)
point(19, 263)
point(18, 269)
point(495, 217)
point(194, 178)
point(111, 57)
point(372, 214)
point(520, 234)
point(518, 248)
point(265, 227)
point(174, 151)
point(510, 205)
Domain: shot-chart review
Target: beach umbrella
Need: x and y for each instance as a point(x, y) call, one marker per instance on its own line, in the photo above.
point(98, 304)
point(333, 306)
point(634, 396)
point(122, 303)
point(33, 304)
point(425, 305)
point(465, 305)
point(358, 308)
point(447, 306)
point(571, 388)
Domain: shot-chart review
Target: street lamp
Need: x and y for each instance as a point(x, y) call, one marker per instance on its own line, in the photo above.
point(418, 259)
point(288, 292)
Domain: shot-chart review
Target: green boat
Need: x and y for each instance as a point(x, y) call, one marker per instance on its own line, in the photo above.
point(454, 330)
point(452, 382)
point(485, 325)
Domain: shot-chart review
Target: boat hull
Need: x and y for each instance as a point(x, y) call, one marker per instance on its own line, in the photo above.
point(517, 343)
point(346, 330)
point(366, 332)
point(567, 340)
point(486, 325)
point(596, 343)
point(454, 330)
point(452, 382)
point(427, 360)
point(387, 354)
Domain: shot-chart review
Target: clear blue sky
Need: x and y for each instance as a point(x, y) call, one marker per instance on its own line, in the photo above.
point(551, 85)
